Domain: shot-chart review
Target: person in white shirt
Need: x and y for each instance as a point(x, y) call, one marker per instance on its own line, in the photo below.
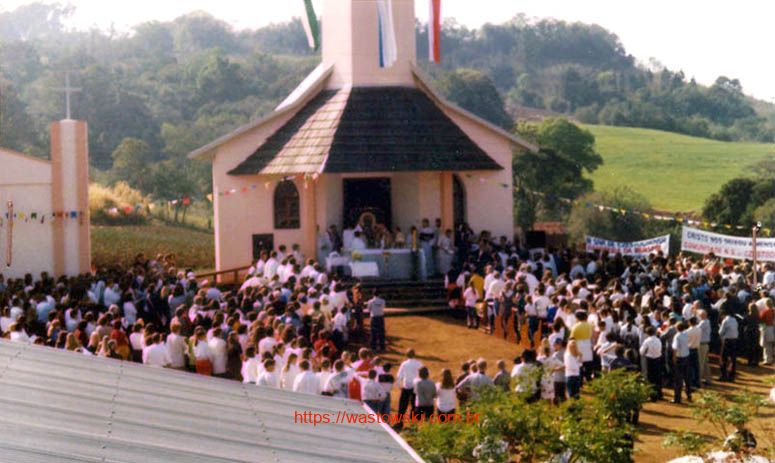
point(137, 342)
point(324, 373)
point(289, 373)
point(266, 343)
point(176, 348)
point(250, 363)
point(72, 318)
point(372, 393)
point(271, 266)
point(268, 377)
point(493, 291)
point(306, 381)
point(573, 361)
point(407, 373)
point(218, 352)
point(18, 334)
point(338, 297)
point(337, 383)
point(358, 244)
point(156, 354)
point(471, 297)
point(651, 350)
point(446, 396)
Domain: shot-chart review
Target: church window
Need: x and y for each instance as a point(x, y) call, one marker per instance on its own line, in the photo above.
point(286, 206)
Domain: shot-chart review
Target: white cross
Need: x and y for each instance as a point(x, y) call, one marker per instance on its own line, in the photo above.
point(68, 90)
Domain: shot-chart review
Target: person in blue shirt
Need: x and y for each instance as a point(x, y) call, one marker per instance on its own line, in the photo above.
point(680, 347)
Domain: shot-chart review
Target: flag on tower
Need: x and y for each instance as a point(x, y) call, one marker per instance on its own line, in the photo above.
point(434, 31)
point(388, 50)
point(311, 26)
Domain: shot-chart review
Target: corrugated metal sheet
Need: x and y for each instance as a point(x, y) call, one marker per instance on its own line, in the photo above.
point(60, 406)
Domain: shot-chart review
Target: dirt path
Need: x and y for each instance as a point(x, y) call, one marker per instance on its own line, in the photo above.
point(443, 342)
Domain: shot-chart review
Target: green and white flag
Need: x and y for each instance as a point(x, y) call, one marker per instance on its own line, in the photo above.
point(311, 25)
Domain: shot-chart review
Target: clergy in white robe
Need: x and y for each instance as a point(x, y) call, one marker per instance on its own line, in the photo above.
point(427, 238)
point(446, 252)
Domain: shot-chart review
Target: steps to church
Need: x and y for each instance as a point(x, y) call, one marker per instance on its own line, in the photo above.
point(429, 295)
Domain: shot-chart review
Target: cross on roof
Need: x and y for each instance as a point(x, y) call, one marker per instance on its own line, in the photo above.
point(68, 91)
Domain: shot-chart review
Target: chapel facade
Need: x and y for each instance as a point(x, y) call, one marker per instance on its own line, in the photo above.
point(356, 141)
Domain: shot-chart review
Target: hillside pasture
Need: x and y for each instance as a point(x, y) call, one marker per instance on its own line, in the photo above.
point(675, 172)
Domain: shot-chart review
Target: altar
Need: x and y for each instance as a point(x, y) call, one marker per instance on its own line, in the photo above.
point(394, 264)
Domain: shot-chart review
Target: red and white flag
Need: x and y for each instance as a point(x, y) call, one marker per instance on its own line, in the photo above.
point(434, 31)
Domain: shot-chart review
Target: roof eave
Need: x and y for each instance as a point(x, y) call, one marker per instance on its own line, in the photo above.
point(27, 157)
point(294, 100)
point(425, 81)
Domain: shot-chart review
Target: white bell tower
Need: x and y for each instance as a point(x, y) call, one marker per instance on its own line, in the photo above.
point(350, 30)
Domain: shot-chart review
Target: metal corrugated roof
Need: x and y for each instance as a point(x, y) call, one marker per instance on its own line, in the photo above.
point(58, 406)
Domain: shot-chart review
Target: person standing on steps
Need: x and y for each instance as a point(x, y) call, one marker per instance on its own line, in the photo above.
point(376, 306)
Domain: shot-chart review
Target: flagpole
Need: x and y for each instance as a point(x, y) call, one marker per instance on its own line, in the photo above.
point(754, 231)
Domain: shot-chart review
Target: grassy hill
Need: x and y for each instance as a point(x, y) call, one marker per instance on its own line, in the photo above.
point(675, 172)
point(120, 245)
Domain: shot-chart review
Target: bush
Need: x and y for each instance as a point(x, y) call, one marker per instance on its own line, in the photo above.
point(117, 205)
point(590, 429)
point(587, 219)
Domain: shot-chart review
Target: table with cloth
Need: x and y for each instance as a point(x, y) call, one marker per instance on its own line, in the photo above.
point(391, 263)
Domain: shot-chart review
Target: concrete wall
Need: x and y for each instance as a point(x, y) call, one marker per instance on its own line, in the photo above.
point(489, 205)
point(351, 43)
point(27, 182)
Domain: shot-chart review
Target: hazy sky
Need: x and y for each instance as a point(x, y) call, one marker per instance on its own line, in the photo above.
point(703, 38)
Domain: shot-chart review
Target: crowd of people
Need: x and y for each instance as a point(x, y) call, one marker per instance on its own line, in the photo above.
point(293, 326)
point(587, 313)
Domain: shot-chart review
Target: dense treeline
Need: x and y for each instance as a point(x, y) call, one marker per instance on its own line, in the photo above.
point(584, 71)
point(168, 87)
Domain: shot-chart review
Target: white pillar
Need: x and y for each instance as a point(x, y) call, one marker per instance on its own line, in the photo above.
point(70, 197)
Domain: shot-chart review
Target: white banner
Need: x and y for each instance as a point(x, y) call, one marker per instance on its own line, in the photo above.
point(631, 248)
point(734, 247)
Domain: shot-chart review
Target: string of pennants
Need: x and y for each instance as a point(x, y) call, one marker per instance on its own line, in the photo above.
point(245, 189)
point(588, 204)
point(40, 217)
point(621, 211)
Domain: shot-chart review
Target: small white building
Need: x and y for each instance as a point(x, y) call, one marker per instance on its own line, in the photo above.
point(356, 138)
point(44, 207)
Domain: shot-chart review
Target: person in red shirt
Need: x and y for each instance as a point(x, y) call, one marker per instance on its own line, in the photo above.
point(361, 367)
point(122, 342)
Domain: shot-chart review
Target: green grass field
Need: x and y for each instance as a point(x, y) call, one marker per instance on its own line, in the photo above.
point(120, 245)
point(675, 172)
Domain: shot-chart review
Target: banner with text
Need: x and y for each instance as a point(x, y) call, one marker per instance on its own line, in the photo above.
point(734, 247)
point(631, 248)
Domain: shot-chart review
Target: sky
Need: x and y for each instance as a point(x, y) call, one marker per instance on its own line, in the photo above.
point(705, 39)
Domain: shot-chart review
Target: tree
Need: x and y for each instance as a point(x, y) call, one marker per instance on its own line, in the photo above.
point(475, 91)
point(586, 218)
point(132, 161)
point(558, 169)
point(732, 204)
point(17, 130)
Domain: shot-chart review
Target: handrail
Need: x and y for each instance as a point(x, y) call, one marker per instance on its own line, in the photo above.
point(233, 271)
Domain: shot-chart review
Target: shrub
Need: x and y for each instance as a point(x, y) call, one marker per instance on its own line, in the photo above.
point(117, 205)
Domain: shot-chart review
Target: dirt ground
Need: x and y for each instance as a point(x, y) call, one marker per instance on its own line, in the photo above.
point(444, 342)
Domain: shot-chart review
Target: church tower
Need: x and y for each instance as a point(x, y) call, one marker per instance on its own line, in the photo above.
point(70, 196)
point(350, 36)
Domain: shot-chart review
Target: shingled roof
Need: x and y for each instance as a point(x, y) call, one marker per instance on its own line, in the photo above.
point(367, 129)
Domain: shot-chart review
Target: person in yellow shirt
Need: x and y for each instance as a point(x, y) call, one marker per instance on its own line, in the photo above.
point(581, 331)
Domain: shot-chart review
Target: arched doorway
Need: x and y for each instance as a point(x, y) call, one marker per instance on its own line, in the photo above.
point(458, 201)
